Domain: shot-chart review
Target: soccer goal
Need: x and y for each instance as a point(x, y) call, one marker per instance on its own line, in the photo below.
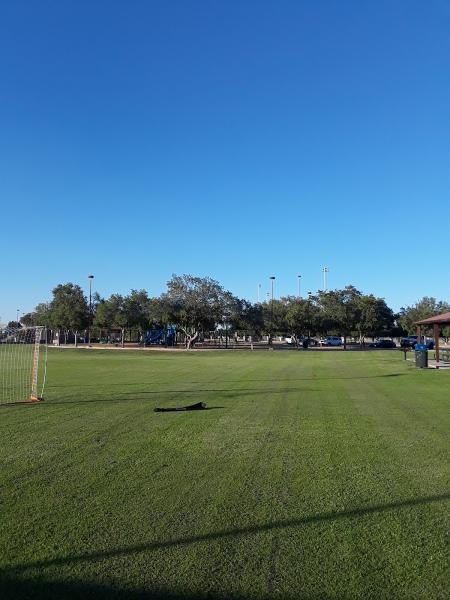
point(22, 366)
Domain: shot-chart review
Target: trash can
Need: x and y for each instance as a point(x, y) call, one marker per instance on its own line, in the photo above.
point(421, 356)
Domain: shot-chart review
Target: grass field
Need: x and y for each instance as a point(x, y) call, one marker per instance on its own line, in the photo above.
point(317, 475)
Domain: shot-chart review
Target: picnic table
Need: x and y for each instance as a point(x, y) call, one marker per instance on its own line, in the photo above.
point(444, 354)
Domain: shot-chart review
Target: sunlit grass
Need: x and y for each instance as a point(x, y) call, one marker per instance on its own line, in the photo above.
point(317, 475)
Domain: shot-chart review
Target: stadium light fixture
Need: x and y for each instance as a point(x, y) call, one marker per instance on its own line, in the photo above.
point(325, 270)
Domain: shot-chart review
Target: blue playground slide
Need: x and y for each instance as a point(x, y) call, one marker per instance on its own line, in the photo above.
point(165, 336)
point(171, 332)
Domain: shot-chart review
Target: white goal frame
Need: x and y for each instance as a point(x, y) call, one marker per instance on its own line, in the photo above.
point(22, 377)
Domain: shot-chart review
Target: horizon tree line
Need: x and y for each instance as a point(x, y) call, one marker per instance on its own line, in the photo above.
point(197, 305)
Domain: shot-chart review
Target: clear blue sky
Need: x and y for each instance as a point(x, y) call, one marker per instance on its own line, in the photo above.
point(236, 139)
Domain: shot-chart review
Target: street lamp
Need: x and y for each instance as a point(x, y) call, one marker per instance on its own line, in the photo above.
point(272, 279)
point(225, 320)
point(90, 277)
point(325, 270)
point(307, 313)
point(299, 280)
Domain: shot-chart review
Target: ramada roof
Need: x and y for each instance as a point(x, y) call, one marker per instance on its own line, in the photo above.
point(438, 319)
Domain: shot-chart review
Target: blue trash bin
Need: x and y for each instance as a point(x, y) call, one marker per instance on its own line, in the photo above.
point(421, 351)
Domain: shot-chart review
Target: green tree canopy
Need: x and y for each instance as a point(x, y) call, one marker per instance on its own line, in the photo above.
point(195, 304)
point(303, 316)
point(136, 309)
point(14, 325)
point(110, 313)
point(249, 318)
point(375, 317)
point(69, 308)
point(341, 310)
point(40, 315)
point(200, 304)
point(275, 312)
point(427, 307)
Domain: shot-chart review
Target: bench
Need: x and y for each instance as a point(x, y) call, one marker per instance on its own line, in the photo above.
point(444, 355)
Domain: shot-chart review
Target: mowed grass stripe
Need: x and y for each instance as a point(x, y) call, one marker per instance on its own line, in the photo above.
point(316, 475)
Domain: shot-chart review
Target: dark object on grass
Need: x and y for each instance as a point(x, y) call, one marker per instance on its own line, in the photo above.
point(197, 406)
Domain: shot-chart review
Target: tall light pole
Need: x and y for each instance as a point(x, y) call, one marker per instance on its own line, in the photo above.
point(259, 292)
point(17, 317)
point(90, 277)
point(299, 277)
point(226, 316)
point(308, 308)
point(272, 279)
point(325, 270)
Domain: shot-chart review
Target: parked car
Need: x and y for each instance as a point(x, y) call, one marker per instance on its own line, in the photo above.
point(410, 341)
point(331, 340)
point(300, 340)
point(307, 341)
point(291, 339)
point(383, 344)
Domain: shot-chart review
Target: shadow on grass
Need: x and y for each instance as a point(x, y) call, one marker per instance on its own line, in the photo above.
point(14, 588)
point(152, 383)
point(227, 533)
point(231, 392)
point(177, 410)
point(139, 395)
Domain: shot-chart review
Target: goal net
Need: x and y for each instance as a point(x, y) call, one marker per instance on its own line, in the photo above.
point(22, 374)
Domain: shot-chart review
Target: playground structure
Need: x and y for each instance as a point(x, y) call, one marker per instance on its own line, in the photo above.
point(165, 336)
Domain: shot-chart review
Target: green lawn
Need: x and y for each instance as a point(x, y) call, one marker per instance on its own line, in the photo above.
point(317, 475)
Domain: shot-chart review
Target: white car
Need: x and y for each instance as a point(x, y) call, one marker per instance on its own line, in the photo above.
point(331, 340)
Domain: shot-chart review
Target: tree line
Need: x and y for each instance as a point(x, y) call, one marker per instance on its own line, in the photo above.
point(199, 305)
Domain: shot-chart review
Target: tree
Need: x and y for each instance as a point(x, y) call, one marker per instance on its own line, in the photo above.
point(302, 316)
point(27, 319)
point(110, 314)
point(136, 309)
point(195, 304)
point(249, 318)
point(274, 312)
point(14, 325)
point(69, 308)
point(427, 307)
point(158, 314)
point(341, 310)
point(375, 317)
point(40, 316)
